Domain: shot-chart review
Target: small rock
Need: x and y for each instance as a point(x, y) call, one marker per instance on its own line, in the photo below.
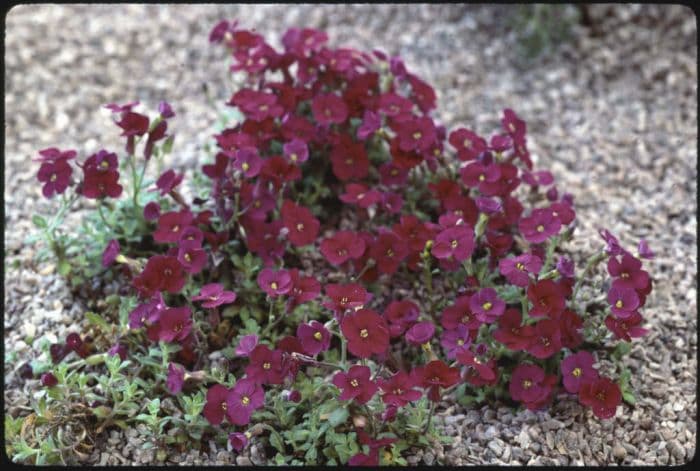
point(496, 446)
point(243, 461)
point(676, 450)
point(619, 451)
point(428, 458)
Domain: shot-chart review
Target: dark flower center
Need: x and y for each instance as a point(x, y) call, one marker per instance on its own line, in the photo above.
point(600, 395)
point(178, 327)
point(223, 405)
point(398, 391)
point(545, 341)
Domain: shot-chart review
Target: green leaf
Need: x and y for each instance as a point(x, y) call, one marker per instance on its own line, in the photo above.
point(63, 267)
point(168, 145)
point(39, 221)
point(338, 416)
point(98, 321)
point(277, 442)
point(629, 398)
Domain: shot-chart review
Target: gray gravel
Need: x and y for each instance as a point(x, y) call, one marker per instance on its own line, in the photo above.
point(613, 113)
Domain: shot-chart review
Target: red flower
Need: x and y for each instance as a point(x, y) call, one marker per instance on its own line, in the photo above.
point(398, 390)
point(161, 273)
point(300, 222)
point(275, 283)
point(245, 396)
point(56, 177)
point(482, 369)
point(626, 329)
point(388, 251)
point(101, 176)
point(216, 407)
point(460, 313)
point(628, 272)
point(416, 134)
point(576, 370)
point(539, 226)
point(329, 109)
point(547, 298)
point(349, 159)
point(278, 171)
point(256, 105)
point(512, 124)
point(623, 301)
point(304, 289)
point(174, 324)
point(436, 375)
point(355, 384)
point(570, 325)
point(455, 242)
point(546, 339)
point(602, 395)
point(530, 385)
point(266, 366)
point(346, 296)
point(341, 247)
point(366, 332)
point(511, 332)
point(314, 337)
point(401, 315)
point(192, 259)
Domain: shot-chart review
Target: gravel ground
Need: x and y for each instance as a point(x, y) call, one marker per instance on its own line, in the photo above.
point(613, 113)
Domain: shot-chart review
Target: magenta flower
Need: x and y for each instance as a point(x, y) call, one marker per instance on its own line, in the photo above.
point(151, 211)
point(540, 226)
point(415, 134)
point(355, 384)
point(176, 378)
point(266, 366)
point(101, 180)
point(517, 270)
point(456, 340)
point(274, 283)
point(613, 247)
point(570, 325)
point(191, 237)
point(238, 440)
point(563, 212)
point(110, 252)
point(248, 161)
point(171, 225)
point(300, 222)
point(360, 195)
point(192, 259)
point(565, 267)
point(213, 295)
point(644, 250)
point(391, 175)
point(421, 93)
point(527, 384)
point(602, 395)
point(246, 345)
point(366, 332)
point(388, 251)
point(349, 159)
point(55, 175)
point(329, 109)
point(168, 181)
point(483, 177)
point(482, 369)
point(133, 124)
point(371, 122)
point(456, 242)
point(341, 247)
point(512, 124)
point(175, 323)
point(398, 390)
point(121, 108)
point(165, 110)
point(468, 144)
point(628, 271)
point(626, 329)
point(420, 333)
point(576, 370)
point(401, 315)
point(216, 406)
point(501, 142)
point(314, 337)
point(296, 151)
point(118, 349)
point(391, 104)
point(245, 397)
point(489, 206)
point(623, 301)
point(486, 305)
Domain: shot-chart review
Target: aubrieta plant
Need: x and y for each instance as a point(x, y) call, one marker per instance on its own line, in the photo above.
point(347, 265)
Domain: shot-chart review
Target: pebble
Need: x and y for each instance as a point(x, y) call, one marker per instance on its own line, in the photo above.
point(619, 451)
point(243, 461)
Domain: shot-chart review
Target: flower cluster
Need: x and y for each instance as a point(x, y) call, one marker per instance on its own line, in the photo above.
point(337, 153)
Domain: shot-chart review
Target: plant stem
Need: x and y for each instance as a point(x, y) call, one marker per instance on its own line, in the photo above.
point(592, 262)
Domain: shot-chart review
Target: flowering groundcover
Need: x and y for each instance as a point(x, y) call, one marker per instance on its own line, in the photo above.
point(345, 264)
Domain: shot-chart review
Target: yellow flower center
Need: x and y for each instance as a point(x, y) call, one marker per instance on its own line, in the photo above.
point(354, 383)
point(618, 304)
point(577, 372)
point(389, 253)
point(426, 347)
point(398, 391)
point(417, 135)
point(511, 127)
point(364, 334)
point(300, 227)
point(293, 157)
point(344, 300)
point(273, 285)
point(53, 177)
point(482, 178)
point(266, 366)
point(540, 228)
point(453, 244)
point(104, 164)
point(257, 204)
point(327, 113)
point(245, 166)
point(545, 341)
point(178, 327)
point(224, 406)
point(527, 383)
point(467, 143)
point(625, 275)
point(263, 108)
point(318, 336)
point(487, 305)
point(460, 342)
point(348, 161)
point(360, 196)
point(394, 172)
point(519, 266)
point(187, 257)
point(245, 400)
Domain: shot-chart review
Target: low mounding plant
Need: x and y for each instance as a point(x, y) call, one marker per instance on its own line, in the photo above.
point(345, 265)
